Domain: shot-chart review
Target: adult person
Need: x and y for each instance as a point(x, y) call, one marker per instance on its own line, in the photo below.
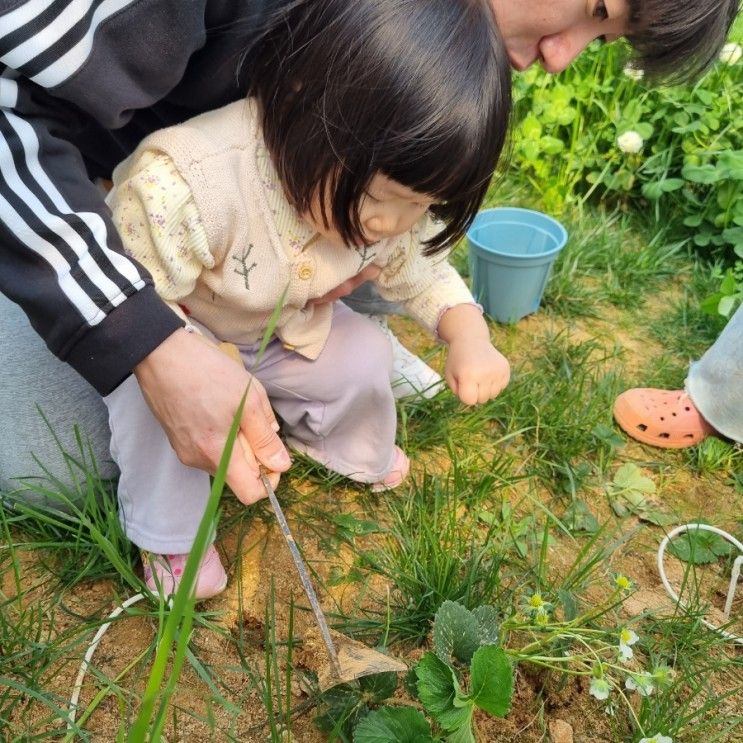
point(711, 403)
point(82, 83)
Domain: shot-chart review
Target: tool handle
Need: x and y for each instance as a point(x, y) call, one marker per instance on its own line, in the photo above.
point(303, 575)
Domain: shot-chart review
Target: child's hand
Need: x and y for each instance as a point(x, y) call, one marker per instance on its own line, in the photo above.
point(476, 371)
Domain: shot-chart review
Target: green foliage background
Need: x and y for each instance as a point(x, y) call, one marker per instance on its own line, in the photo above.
point(688, 175)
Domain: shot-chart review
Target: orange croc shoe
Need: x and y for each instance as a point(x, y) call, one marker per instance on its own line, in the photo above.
point(664, 418)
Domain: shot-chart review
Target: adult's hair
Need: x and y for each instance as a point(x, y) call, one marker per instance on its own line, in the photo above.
point(678, 39)
point(418, 90)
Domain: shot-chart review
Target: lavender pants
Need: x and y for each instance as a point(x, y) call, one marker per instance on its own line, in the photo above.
point(338, 409)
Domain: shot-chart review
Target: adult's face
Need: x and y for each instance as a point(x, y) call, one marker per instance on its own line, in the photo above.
point(555, 32)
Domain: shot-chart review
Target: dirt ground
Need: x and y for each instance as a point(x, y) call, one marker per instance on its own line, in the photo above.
point(567, 712)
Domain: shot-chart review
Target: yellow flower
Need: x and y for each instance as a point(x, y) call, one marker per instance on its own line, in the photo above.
point(622, 582)
point(536, 601)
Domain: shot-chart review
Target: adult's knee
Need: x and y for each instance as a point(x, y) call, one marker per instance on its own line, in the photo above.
point(47, 413)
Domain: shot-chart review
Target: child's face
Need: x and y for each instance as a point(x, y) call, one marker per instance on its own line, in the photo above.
point(387, 209)
point(555, 32)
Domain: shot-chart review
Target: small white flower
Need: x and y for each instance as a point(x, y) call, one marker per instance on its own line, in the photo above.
point(642, 683)
point(630, 142)
point(627, 638)
point(633, 73)
point(599, 688)
point(730, 53)
point(657, 738)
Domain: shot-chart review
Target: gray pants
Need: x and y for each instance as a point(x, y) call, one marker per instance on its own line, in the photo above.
point(31, 378)
point(338, 409)
point(715, 382)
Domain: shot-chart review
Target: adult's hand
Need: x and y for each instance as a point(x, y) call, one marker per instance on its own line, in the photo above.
point(368, 273)
point(194, 391)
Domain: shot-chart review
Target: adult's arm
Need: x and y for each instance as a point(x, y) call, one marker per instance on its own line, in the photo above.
point(66, 69)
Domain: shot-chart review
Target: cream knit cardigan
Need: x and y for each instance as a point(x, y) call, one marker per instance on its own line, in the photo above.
point(201, 207)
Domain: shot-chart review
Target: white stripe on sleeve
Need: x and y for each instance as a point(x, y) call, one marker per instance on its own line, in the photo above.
point(57, 225)
point(72, 290)
point(68, 64)
point(41, 41)
point(22, 15)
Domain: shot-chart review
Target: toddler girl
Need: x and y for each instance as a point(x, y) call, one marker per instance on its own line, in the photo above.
point(367, 144)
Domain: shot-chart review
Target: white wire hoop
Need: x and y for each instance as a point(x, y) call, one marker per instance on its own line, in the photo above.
point(72, 714)
point(733, 577)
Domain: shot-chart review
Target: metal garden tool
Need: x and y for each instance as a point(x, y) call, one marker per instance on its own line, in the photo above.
point(349, 659)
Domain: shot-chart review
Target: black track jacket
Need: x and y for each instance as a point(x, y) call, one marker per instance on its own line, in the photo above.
point(81, 83)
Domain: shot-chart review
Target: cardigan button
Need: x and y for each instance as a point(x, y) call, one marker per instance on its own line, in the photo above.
point(305, 271)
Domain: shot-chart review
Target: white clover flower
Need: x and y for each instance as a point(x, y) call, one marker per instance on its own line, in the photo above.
point(627, 638)
point(630, 142)
point(599, 688)
point(657, 738)
point(642, 683)
point(730, 53)
point(633, 73)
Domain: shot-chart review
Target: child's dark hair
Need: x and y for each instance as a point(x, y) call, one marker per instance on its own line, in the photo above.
point(418, 90)
point(678, 39)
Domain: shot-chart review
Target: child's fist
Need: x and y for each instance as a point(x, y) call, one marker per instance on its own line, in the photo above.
point(476, 371)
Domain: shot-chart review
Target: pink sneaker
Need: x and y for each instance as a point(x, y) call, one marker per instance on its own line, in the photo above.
point(162, 573)
point(396, 475)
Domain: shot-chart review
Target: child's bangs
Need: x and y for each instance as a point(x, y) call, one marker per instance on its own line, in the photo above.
point(448, 169)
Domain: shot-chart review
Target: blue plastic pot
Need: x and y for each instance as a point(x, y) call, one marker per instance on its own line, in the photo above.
point(511, 254)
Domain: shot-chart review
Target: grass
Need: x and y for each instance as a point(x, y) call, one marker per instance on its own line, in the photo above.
point(482, 521)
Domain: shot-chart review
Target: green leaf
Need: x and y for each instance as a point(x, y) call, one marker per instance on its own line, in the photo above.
point(455, 633)
point(393, 725)
point(380, 686)
point(348, 523)
point(733, 235)
point(671, 184)
point(492, 680)
point(652, 190)
point(732, 161)
point(710, 304)
point(462, 735)
point(629, 490)
point(552, 145)
point(607, 435)
point(644, 129)
point(699, 547)
point(706, 96)
point(728, 285)
point(693, 220)
point(569, 604)
point(701, 173)
point(340, 708)
point(629, 478)
point(656, 517)
point(727, 305)
point(488, 625)
point(437, 689)
point(578, 518)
